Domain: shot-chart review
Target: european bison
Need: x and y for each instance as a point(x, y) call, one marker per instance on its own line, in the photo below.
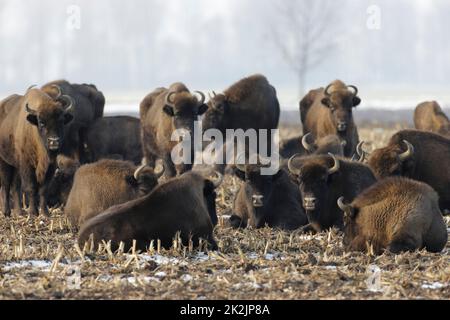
point(115, 138)
point(272, 200)
point(322, 179)
point(61, 183)
point(419, 155)
point(185, 204)
point(397, 214)
point(88, 106)
point(162, 112)
point(304, 146)
point(429, 116)
point(106, 183)
point(330, 111)
point(250, 103)
point(31, 135)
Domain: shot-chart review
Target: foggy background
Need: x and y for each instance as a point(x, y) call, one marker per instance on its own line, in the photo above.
point(396, 52)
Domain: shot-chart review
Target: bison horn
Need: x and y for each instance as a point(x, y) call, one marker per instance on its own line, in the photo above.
point(202, 95)
point(169, 101)
point(308, 147)
point(69, 102)
point(291, 166)
point(346, 208)
point(361, 153)
point(327, 93)
point(336, 166)
point(31, 87)
point(218, 180)
point(138, 171)
point(355, 90)
point(58, 89)
point(30, 111)
point(408, 153)
point(159, 171)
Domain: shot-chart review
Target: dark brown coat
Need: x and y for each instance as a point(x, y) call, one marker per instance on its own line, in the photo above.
point(106, 183)
point(419, 155)
point(62, 181)
point(397, 214)
point(329, 112)
point(302, 145)
point(322, 179)
point(183, 204)
point(429, 116)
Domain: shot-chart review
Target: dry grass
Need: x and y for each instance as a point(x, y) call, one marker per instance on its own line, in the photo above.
point(37, 255)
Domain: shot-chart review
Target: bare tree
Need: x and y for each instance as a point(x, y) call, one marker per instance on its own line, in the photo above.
point(305, 32)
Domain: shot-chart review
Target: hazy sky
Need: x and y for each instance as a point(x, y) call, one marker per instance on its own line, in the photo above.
point(131, 47)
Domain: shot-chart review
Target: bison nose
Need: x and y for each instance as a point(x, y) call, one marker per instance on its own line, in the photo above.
point(53, 143)
point(309, 203)
point(342, 126)
point(257, 201)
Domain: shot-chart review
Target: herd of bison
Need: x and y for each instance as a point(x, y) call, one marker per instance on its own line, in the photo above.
point(117, 182)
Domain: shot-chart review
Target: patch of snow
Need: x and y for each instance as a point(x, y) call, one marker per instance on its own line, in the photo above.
point(434, 285)
point(186, 277)
point(37, 264)
point(330, 267)
point(160, 274)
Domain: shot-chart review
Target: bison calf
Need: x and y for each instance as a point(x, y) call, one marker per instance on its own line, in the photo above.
point(322, 180)
point(185, 204)
point(429, 116)
point(101, 185)
point(397, 214)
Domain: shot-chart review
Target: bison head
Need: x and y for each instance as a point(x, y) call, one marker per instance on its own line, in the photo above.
point(341, 100)
point(61, 183)
point(350, 226)
point(215, 118)
point(49, 116)
point(145, 178)
point(314, 176)
point(395, 159)
point(184, 109)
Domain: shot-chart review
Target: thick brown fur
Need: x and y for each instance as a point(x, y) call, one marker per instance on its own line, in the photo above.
point(328, 144)
point(397, 214)
point(429, 116)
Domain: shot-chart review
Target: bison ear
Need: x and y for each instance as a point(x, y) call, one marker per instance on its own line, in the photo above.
point(202, 109)
point(32, 119)
point(169, 110)
point(68, 118)
point(356, 101)
point(326, 102)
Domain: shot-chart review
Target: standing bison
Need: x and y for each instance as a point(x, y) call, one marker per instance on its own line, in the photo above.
point(330, 111)
point(429, 116)
point(250, 103)
point(31, 135)
point(397, 214)
point(184, 205)
point(322, 180)
point(422, 156)
point(162, 112)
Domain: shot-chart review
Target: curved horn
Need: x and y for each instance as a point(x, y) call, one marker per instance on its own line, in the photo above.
point(58, 88)
point(408, 153)
point(346, 208)
point(328, 88)
point(219, 179)
point(355, 89)
point(31, 87)
point(360, 152)
point(159, 171)
point(291, 166)
point(138, 171)
point(336, 166)
point(308, 147)
point(30, 111)
point(168, 98)
point(69, 101)
point(202, 95)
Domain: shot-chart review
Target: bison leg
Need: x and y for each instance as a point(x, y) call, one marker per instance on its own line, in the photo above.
point(17, 197)
point(30, 186)
point(6, 177)
point(402, 244)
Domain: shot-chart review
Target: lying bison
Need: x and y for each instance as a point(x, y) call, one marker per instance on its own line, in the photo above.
point(184, 205)
point(329, 111)
point(250, 103)
point(397, 214)
point(272, 200)
point(304, 146)
point(106, 183)
point(322, 179)
point(422, 156)
point(31, 135)
point(115, 138)
point(162, 112)
point(429, 116)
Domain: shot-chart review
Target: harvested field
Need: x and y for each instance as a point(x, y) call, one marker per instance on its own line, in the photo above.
point(38, 257)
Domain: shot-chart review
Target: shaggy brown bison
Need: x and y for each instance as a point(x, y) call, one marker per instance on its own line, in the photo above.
point(322, 179)
point(88, 106)
point(250, 103)
point(115, 138)
point(106, 183)
point(31, 135)
point(397, 214)
point(162, 112)
point(61, 183)
point(304, 146)
point(429, 116)
point(419, 155)
point(184, 205)
point(272, 200)
point(329, 111)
